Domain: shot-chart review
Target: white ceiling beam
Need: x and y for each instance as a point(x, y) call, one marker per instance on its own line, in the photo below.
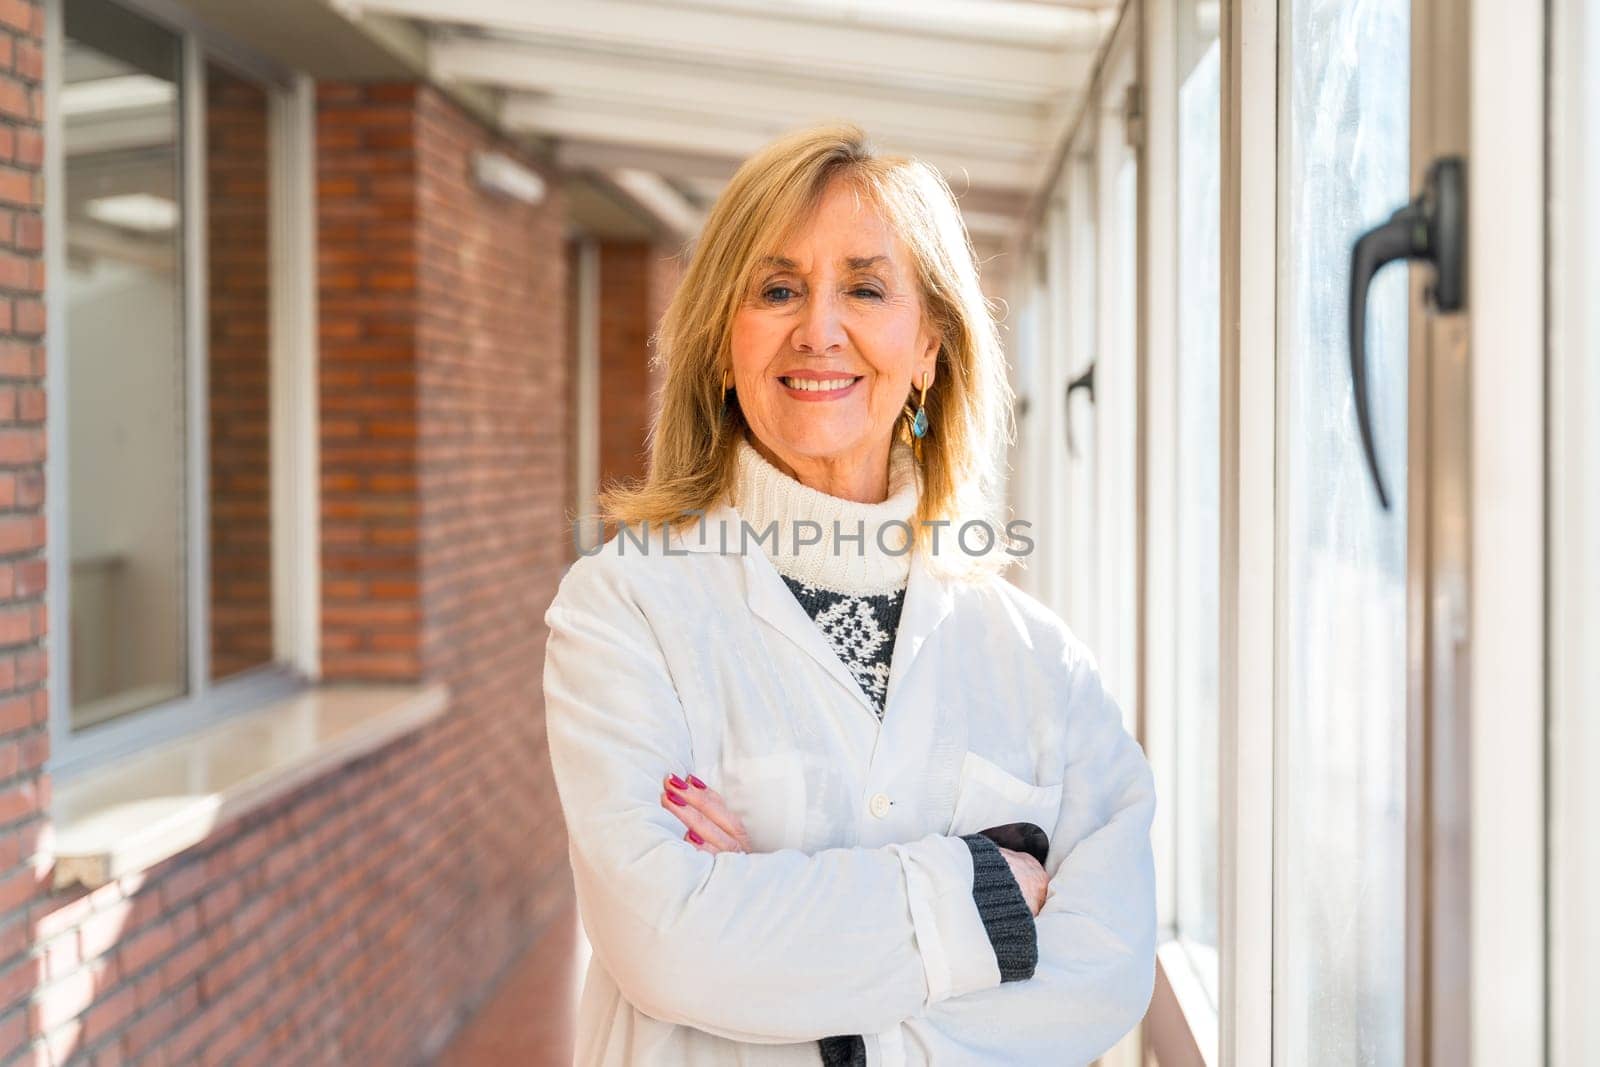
point(96, 240)
point(893, 139)
point(805, 47)
point(1008, 21)
point(587, 122)
point(668, 162)
point(145, 127)
point(707, 189)
point(118, 94)
point(651, 193)
point(1059, 128)
point(708, 173)
point(534, 67)
point(1106, 6)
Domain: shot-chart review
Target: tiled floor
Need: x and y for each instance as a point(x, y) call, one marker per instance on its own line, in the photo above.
point(528, 1021)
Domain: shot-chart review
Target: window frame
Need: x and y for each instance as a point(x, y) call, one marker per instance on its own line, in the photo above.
point(1078, 327)
point(1574, 503)
point(1116, 566)
point(1511, 698)
point(1249, 490)
point(1052, 369)
point(1078, 237)
point(293, 414)
point(1183, 1022)
point(1034, 378)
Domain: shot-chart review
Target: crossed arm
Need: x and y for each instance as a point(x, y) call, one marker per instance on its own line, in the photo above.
point(1096, 932)
point(788, 947)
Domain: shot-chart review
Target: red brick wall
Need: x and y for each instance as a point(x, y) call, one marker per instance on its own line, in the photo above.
point(357, 919)
point(495, 441)
point(367, 234)
point(493, 379)
point(238, 370)
point(445, 472)
point(636, 282)
point(24, 738)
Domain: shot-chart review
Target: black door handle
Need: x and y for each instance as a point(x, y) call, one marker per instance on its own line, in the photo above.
point(1083, 381)
point(1433, 227)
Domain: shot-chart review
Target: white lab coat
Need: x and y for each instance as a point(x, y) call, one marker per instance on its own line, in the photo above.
point(854, 913)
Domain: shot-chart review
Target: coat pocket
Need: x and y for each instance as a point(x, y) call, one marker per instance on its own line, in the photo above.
point(768, 794)
point(988, 795)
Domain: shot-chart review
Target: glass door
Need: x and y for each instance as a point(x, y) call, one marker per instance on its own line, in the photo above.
point(1368, 925)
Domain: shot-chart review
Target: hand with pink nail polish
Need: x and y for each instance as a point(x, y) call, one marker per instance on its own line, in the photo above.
point(712, 827)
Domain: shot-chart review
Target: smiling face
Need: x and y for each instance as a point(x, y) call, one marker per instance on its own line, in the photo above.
point(827, 343)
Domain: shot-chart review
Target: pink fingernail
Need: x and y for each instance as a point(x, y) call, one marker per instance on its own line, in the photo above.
point(679, 782)
point(696, 838)
point(698, 784)
point(676, 799)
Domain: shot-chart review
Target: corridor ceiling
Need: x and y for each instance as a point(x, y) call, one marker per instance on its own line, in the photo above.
point(665, 97)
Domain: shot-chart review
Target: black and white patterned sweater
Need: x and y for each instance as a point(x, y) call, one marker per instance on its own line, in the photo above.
point(860, 629)
point(855, 597)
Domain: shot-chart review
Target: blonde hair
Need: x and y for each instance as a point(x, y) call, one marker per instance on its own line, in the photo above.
point(692, 444)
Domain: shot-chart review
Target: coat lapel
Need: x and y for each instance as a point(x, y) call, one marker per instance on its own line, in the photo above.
point(769, 598)
point(772, 601)
point(928, 600)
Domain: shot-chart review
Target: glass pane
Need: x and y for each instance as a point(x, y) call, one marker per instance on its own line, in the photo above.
point(1341, 902)
point(1198, 442)
point(128, 508)
point(237, 276)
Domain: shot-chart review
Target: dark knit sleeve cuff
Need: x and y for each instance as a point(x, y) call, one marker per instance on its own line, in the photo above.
point(1004, 911)
point(844, 1051)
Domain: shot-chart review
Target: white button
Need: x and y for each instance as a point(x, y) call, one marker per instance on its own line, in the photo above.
point(880, 805)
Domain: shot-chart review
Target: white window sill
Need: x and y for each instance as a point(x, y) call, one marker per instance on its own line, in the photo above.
point(1181, 1025)
point(132, 814)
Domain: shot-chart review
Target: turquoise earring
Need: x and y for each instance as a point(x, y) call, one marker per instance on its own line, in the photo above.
point(919, 422)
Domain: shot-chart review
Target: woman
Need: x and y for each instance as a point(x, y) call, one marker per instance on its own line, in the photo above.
point(842, 794)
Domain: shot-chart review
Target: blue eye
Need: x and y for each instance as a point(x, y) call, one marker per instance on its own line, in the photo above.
point(779, 294)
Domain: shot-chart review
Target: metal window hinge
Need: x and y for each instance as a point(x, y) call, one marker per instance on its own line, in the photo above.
point(1133, 117)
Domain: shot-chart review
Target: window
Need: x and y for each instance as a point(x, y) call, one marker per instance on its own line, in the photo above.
point(162, 307)
point(1340, 909)
point(121, 99)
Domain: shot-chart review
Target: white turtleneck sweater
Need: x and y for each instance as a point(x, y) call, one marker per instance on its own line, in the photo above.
point(853, 589)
